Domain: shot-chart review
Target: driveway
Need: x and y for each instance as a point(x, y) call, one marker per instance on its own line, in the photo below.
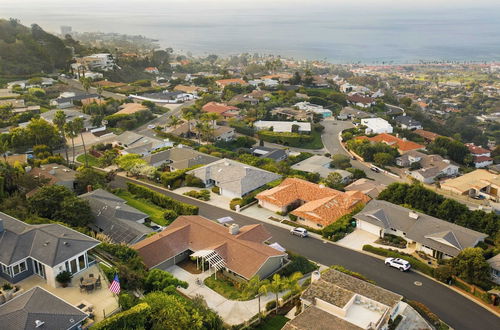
point(357, 239)
point(232, 312)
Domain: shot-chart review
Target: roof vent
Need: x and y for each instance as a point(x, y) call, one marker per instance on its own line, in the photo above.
point(234, 229)
point(66, 243)
point(38, 323)
point(413, 215)
point(46, 243)
point(316, 275)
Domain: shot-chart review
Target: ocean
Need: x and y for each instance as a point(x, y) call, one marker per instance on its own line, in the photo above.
point(360, 31)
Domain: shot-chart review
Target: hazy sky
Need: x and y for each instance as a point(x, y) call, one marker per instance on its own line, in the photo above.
point(400, 30)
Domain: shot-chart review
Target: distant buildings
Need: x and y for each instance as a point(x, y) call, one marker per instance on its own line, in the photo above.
point(431, 168)
point(226, 82)
point(481, 156)
point(406, 122)
point(479, 183)
point(403, 145)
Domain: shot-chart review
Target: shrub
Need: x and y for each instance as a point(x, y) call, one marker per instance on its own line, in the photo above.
point(292, 217)
point(298, 263)
point(443, 273)
point(192, 181)
point(426, 313)
point(203, 195)
point(170, 215)
point(286, 138)
point(271, 305)
point(126, 300)
point(234, 202)
point(119, 251)
point(351, 273)
point(415, 263)
point(64, 277)
point(216, 190)
point(134, 318)
point(342, 225)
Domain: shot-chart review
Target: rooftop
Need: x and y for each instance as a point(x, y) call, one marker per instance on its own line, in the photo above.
point(402, 145)
point(368, 187)
point(181, 158)
point(477, 179)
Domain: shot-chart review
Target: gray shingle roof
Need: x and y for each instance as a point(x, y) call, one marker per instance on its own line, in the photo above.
point(118, 220)
point(234, 176)
point(39, 305)
point(50, 244)
point(435, 233)
point(181, 158)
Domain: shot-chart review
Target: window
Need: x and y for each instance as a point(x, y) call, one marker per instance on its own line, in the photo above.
point(81, 262)
point(19, 268)
point(6, 270)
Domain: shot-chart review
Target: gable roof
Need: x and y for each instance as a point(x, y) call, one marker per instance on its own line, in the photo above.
point(116, 219)
point(475, 179)
point(234, 176)
point(368, 187)
point(243, 253)
point(220, 108)
point(431, 136)
point(181, 158)
point(38, 304)
point(438, 234)
point(322, 205)
point(50, 244)
point(407, 120)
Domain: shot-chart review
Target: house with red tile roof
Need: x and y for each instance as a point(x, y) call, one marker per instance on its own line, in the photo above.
point(403, 145)
point(152, 70)
point(226, 82)
point(481, 156)
point(314, 205)
point(361, 100)
point(224, 110)
point(428, 136)
point(234, 250)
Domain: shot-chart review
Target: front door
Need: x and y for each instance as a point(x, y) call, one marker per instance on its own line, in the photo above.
point(39, 269)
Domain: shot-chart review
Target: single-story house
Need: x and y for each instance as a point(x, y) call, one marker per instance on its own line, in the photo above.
point(179, 158)
point(115, 219)
point(38, 308)
point(134, 143)
point(321, 165)
point(130, 108)
point(351, 113)
point(434, 167)
point(44, 250)
point(495, 268)
point(164, 97)
point(71, 114)
point(69, 101)
point(55, 174)
point(234, 179)
point(361, 100)
point(435, 237)
point(290, 114)
point(238, 252)
point(368, 187)
point(403, 145)
point(336, 300)
point(224, 110)
point(314, 205)
point(223, 133)
point(376, 125)
point(226, 82)
point(474, 184)
point(283, 126)
point(314, 108)
point(406, 122)
point(275, 154)
point(427, 135)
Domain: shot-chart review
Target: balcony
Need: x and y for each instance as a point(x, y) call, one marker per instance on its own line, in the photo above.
point(100, 302)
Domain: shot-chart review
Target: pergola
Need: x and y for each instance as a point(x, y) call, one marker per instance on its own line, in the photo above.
point(215, 261)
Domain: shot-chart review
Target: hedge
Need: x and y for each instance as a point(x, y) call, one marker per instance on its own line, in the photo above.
point(242, 128)
point(162, 200)
point(426, 313)
point(343, 226)
point(285, 138)
point(415, 263)
point(344, 270)
point(134, 318)
point(170, 215)
point(234, 202)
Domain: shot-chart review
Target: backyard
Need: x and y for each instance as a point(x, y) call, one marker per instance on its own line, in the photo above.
point(155, 212)
point(226, 288)
point(272, 322)
point(93, 161)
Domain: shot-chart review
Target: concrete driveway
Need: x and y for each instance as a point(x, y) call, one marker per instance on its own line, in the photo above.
point(357, 239)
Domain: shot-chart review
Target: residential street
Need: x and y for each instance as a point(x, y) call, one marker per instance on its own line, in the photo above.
point(457, 311)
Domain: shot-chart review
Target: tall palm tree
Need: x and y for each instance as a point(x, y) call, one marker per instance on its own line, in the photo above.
point(79, 126)
point(255, 287)
point(292, 282)
point(60, 120)
point(276, 285)
point(69, 128)
point(86, 84)
point(188, 116)
point(4, 147)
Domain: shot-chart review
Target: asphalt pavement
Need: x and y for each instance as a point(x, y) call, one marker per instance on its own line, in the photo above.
point(456, 310)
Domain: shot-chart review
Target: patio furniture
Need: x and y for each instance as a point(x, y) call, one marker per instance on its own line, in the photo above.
point(91, 275)
point(98, 283)
point(81, 280)
point(89, 284)
point(82, 287)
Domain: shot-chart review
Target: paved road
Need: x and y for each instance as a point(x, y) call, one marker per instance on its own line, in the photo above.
point(450, 306)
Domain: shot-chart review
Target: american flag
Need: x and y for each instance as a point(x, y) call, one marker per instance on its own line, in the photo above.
point(115, 285)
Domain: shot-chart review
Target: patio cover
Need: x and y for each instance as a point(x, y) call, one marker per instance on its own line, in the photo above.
point(277, 247)
point(225, 219)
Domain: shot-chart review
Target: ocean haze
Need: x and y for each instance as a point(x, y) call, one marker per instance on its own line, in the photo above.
point(367, 31)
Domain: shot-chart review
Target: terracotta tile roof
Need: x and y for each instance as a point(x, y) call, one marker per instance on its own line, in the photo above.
point(480, 159)
point(356, 98)
point(130, 108)
point(431, 136)
point(476, 150)
point(226, 82)
point(401, 144)
point(219, 108)
point(322, 205)
point(244, 253)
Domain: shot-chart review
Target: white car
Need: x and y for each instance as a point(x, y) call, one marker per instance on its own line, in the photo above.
point(299, 232)
point(398, 263)
point(151, 126)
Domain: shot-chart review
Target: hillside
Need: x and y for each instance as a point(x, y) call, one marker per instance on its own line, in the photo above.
point(30, 50)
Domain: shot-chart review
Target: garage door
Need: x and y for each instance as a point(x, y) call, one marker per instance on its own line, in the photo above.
point(368, 227)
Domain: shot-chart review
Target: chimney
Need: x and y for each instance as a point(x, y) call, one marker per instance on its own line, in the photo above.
point(413, 215)
point(89, 188)
point(315, 276)
point(1, 225)
point(38, 323)
point(234, 229)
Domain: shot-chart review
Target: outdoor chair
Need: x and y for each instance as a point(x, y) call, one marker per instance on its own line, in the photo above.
point(82, 288)
point(89, 288)
point(81, 280)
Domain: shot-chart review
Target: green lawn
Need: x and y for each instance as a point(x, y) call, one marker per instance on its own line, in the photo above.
point(93, 161)
point(316, 143)
point(155, 212)
point(272, 322)
point(225, 288)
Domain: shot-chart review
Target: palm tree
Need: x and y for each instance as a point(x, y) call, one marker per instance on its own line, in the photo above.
point(173, 121)
point(277, 285)
point(293, 282)
point(86, 84)
point(60, 120)
point(4, 147)
point(78, 126)
point(255, 287)
point(188, 116)
point(70, 132)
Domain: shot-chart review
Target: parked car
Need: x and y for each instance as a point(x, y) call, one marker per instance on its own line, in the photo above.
point(157, 228)
point(398, 263)
point(299, 232)
point(151, 126)
point(374, 169)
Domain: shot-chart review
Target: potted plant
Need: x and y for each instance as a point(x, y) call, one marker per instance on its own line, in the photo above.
point(8, 290)
point(64, 278)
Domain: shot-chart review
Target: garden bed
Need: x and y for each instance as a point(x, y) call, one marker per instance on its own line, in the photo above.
point(189, 266)
point(392, 240)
